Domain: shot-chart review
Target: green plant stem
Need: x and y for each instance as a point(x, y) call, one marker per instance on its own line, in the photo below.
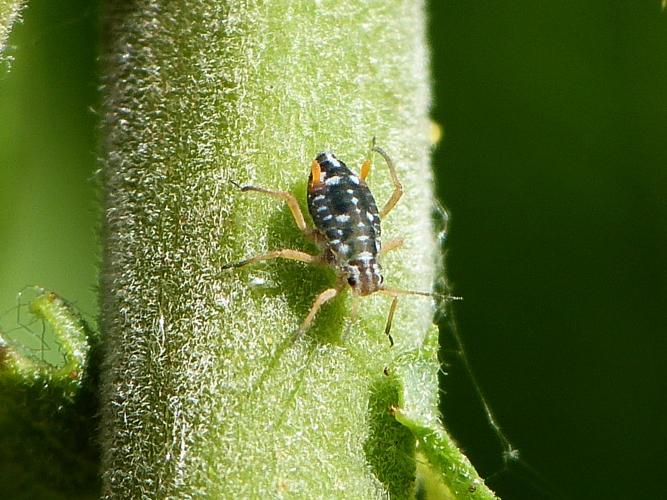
point(206, 391)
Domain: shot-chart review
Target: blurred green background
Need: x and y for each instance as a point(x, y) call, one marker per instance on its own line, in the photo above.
point(553, 169)
point(48, 197)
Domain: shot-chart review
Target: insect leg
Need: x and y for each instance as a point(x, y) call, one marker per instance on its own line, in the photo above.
point(390, 319)
point(288, 198)
point(395, 292)
point(391, 245)
point(325, 296)
point(398, 188)
point(278, 254)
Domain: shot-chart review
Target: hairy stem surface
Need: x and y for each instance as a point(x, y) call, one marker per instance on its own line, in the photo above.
point(205, 389)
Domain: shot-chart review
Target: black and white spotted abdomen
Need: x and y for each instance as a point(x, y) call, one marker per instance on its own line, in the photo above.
point(345, 213)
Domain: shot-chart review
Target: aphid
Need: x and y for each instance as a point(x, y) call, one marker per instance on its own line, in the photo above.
point(347, 229)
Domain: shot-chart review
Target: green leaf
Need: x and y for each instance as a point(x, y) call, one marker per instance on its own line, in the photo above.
point(443, 465)
point(48, 414)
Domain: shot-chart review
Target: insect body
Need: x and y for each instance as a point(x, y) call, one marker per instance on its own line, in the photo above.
point(347, 229)
point(347, 218)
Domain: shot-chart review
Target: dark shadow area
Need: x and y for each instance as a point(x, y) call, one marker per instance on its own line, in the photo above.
point(48, 444)
point(300, 283)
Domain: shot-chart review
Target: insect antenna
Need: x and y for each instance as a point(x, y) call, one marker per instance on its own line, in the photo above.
point(390, 319)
